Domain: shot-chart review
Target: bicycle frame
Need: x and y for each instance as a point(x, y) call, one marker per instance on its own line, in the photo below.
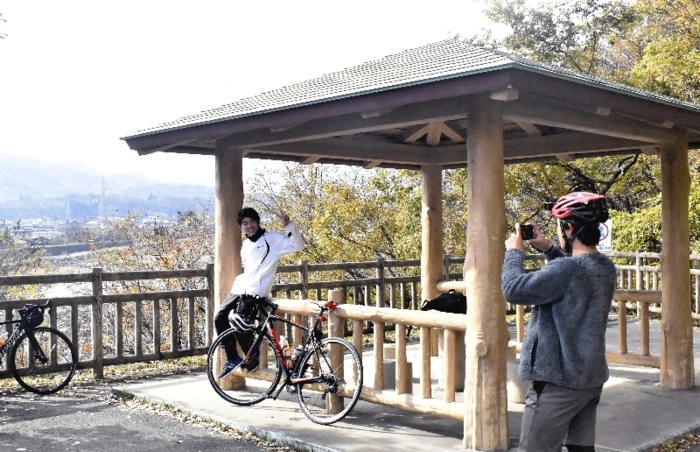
point(23, 326)
point(16, 333)
point(309, 344)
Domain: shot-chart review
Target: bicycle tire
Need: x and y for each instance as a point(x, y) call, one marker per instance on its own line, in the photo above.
point(259, 384)
point(36, 375)
point(342, 381)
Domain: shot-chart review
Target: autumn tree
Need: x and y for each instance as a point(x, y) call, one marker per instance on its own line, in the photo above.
point(18, 258)
point(670, 37)
point(187, 244)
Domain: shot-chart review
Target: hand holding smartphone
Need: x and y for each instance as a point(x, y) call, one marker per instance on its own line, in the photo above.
point(527, 232)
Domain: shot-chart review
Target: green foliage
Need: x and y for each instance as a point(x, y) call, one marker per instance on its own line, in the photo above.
point(642, 230)
point(574, 34)
point(670, 36)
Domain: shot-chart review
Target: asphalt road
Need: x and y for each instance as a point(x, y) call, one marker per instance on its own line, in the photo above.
point(94, 420)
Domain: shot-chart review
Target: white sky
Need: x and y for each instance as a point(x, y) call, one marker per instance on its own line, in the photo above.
point(77, 75)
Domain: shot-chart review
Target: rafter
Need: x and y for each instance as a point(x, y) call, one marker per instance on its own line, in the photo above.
point(433, 133)
point(542, 111)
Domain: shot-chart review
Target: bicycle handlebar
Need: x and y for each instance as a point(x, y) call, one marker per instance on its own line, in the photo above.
point(42, 307)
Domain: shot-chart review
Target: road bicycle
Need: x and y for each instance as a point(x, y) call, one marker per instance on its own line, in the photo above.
point(41, 359)
point(326, 378)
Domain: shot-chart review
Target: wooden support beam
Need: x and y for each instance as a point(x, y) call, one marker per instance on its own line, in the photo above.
point(433, 134)
point(284, 127)
point(650, 150)
point(546, 145)
point(452, 135)
point(406, 116)
point(431, 230)
point(564, 158)
point(310, 159)
point(529, 127)
point(376, 113)
point(348, 148)
point(505, 95)
point(415, 136)
point(227, 234)
point(163, 148)
point(677, 362)
point(486, 416)
point(372, 164)
point(556, 115)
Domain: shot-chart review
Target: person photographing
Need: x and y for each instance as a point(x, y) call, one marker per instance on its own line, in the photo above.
point(563, 352)
point(260, 251)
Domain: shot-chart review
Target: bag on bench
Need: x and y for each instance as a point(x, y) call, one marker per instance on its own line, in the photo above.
point(452, 301)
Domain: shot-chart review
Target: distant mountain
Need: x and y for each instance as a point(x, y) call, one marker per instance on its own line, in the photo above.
point(27, 177)
point(34, 188)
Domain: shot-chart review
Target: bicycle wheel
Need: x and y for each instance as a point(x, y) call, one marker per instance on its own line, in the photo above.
point(47, 368)
point(257, 384)
point(338, 369)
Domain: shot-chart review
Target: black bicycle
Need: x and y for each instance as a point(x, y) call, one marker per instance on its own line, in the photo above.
point(41, 359)
point(326, 377)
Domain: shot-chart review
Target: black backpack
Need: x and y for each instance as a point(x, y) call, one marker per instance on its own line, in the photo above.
point(451, 301)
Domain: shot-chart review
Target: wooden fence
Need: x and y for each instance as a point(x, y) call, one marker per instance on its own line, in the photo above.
point(119, 328)
point(110, 327)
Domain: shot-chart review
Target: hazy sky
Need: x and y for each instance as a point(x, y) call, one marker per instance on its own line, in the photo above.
point(75, 76)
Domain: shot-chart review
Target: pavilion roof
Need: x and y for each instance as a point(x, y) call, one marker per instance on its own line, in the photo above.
point(447, 59)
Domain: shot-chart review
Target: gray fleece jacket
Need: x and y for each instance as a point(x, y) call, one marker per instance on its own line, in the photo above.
point(571, 296)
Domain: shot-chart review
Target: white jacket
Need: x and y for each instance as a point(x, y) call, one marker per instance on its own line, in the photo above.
point(259, 260)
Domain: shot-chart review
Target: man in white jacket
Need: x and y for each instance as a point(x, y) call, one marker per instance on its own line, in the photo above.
point(260, 252)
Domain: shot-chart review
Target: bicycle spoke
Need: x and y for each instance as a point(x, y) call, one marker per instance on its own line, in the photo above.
point(46, 367)
point(338, 367)
point(241, 387)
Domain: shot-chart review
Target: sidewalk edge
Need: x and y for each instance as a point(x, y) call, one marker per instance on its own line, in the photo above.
point(264, 434)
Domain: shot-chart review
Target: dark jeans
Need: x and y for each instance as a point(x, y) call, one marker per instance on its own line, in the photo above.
point(221, 324)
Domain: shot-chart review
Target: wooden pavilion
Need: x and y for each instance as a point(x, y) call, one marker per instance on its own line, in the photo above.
point(445, 105)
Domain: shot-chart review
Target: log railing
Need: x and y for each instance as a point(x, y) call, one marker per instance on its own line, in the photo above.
point(402, 395)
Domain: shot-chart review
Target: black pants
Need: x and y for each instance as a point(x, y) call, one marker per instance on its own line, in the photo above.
point(221, 324)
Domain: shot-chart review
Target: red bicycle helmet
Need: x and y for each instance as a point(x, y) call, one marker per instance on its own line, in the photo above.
point(583, 206)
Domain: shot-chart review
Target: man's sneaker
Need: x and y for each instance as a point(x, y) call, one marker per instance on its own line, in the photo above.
point(230, 366)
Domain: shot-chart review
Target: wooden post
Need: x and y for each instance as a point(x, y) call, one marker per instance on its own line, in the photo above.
point(379, 355)
point(210, 304)
point(97, 346)
point(335, 403)
point(227, 234)
point(380, 286)
point(431, 238)
point(403, 383)
point(486, 417)
point(677, 366)
point(425, 387)
point(622, 326)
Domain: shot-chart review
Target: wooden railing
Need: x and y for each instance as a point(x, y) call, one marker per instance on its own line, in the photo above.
point(122, 328)
point(402, 394)
point(145, 325)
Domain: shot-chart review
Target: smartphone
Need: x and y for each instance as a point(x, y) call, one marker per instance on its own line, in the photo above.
point(527, 232)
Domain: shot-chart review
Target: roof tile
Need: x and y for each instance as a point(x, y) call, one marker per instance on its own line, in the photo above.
point(436, 61)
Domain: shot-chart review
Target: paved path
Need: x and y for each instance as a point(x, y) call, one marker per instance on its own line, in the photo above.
point(76, 423)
